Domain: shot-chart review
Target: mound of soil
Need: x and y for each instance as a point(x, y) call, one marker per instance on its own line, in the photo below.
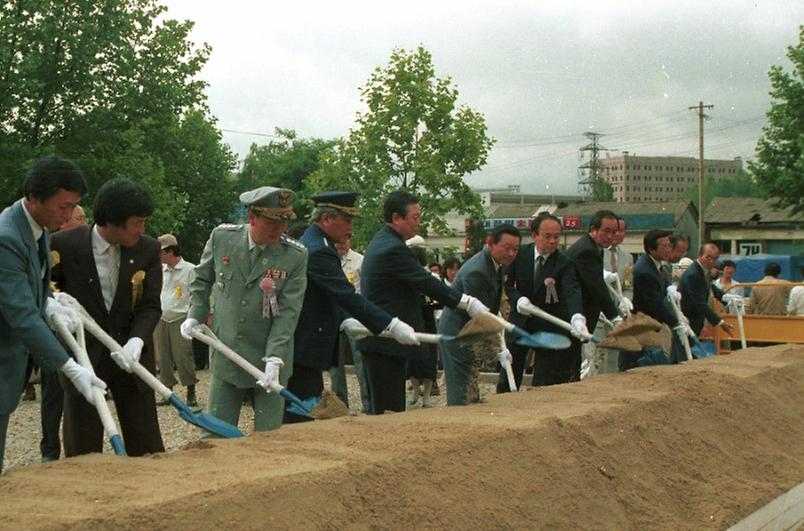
point(698, 445)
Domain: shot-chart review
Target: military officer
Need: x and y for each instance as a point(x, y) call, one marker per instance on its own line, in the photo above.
point(259, 278)
point(330, 298)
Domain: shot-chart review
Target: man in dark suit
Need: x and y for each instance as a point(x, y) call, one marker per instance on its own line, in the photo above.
point(114, 271)
point(650, 288)
point(587, 254)
point(482, 277)
point(51, 189)
point(695, 288)
point(543, 276)
point(393, 280)
point(329, 298)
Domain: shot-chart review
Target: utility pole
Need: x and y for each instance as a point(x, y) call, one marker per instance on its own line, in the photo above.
point(701, 183)
point(590, 172)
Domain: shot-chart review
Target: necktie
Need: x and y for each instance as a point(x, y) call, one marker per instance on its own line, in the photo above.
point(613, 258)
point(537, 270)
point(254, 256)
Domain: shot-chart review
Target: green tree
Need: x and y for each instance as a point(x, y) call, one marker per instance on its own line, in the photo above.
point(743, 185)
point(601, 190)
point(779, 165)
point(110, 85)
point(286, 162)
point(413, 136)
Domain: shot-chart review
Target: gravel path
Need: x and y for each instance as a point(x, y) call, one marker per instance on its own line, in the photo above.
point(24, 431)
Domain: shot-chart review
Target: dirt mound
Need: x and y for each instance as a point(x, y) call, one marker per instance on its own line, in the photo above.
point(699, 445)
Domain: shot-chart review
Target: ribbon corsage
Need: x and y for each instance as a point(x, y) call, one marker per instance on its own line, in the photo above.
point(136, 287)
point(270, 305)
point(552, 294)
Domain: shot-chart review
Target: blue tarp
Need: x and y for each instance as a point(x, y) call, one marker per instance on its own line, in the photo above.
point(751, 268)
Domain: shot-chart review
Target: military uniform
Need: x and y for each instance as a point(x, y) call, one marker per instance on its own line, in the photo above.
point(237, 271)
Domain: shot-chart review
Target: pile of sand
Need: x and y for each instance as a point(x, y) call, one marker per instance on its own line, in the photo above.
point(698, 445)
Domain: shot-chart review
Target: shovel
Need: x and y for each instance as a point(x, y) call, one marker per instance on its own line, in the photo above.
point(739, 309)
point(299, 406)
point(202, 420)
point(538, 312)
point(99, 398)
point(547, 340)
point(681, 331)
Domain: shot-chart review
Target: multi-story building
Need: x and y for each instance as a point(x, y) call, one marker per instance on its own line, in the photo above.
point(657, 179)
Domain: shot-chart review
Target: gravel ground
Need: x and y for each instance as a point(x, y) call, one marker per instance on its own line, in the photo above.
point(24, 431)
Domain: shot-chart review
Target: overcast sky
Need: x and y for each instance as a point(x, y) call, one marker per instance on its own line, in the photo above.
point(542, 72)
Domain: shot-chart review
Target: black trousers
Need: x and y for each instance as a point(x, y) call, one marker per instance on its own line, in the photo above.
point(304, 383)
point(385, 376)
point(51, 410)
point(551, 367)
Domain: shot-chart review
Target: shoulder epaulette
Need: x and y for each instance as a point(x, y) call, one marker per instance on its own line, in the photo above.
point(290, 242)
point(229, 226)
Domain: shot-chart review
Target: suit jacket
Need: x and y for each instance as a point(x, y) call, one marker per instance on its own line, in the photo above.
point(393, 280)
point(135, 309)
point(329, 294)
point(650, 292)
point(478, 278)
point(695, 291)
point(769, 298)
point(23, 291)
point(238, 319)
point(588, 259)
point(520, 282)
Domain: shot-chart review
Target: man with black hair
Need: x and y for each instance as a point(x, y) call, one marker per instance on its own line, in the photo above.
point(771, 297)
point(52, 189)
point(482, 277)
point(587, 255)
point(678, 250)
point(543, 276)
point(650, 288)
point(173, 350)
point(393, 280)
point(113, 270)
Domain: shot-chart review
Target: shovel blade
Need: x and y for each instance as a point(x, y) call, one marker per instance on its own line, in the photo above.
point(297, 405)
point(548, 340)
point(117, 445)
point(205, 421)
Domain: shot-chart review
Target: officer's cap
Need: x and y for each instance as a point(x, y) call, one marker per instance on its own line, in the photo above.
point(343, 202)
point(270, 203)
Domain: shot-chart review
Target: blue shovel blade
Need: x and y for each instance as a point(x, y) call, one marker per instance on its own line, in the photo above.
point(548, 340)
point(205, 421)
point(297, 405)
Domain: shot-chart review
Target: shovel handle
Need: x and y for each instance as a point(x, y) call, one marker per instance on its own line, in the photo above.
point(113, 346)
point(538, 312)
point(205, 335)
point(99, 398)
point(682, 334)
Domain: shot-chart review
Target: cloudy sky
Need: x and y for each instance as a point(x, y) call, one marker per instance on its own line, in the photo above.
point(542, 72)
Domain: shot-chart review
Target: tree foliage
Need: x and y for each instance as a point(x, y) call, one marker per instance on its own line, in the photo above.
point(779, 166)
point(743, 185)
point(601, 190)
point(104, 83)
point(286, 162)
point(412, 136)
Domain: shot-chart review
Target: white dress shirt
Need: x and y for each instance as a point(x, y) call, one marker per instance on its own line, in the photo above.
point(176, 290)
point(107, 262)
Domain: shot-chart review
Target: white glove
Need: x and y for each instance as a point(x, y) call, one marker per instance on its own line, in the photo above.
point(729, 298)
point(504, 357)
point(610, 277)
point(525, 307)
point(270, 377)
point(672, 291)
point(83, 380)
point(579, 329)
point(403, 333)
point(472, 305)
point(626, 306)
point(354, 328)
point(617, 320)
point(187, 328)
point(129, 355)
point(684, 328)
point(68, 315)
point(67, 300)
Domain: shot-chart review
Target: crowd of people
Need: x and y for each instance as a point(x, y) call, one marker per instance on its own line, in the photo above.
point(295, 307)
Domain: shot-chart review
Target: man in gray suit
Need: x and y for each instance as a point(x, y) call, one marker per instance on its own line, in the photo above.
point(481, 277)
point(52, 189)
